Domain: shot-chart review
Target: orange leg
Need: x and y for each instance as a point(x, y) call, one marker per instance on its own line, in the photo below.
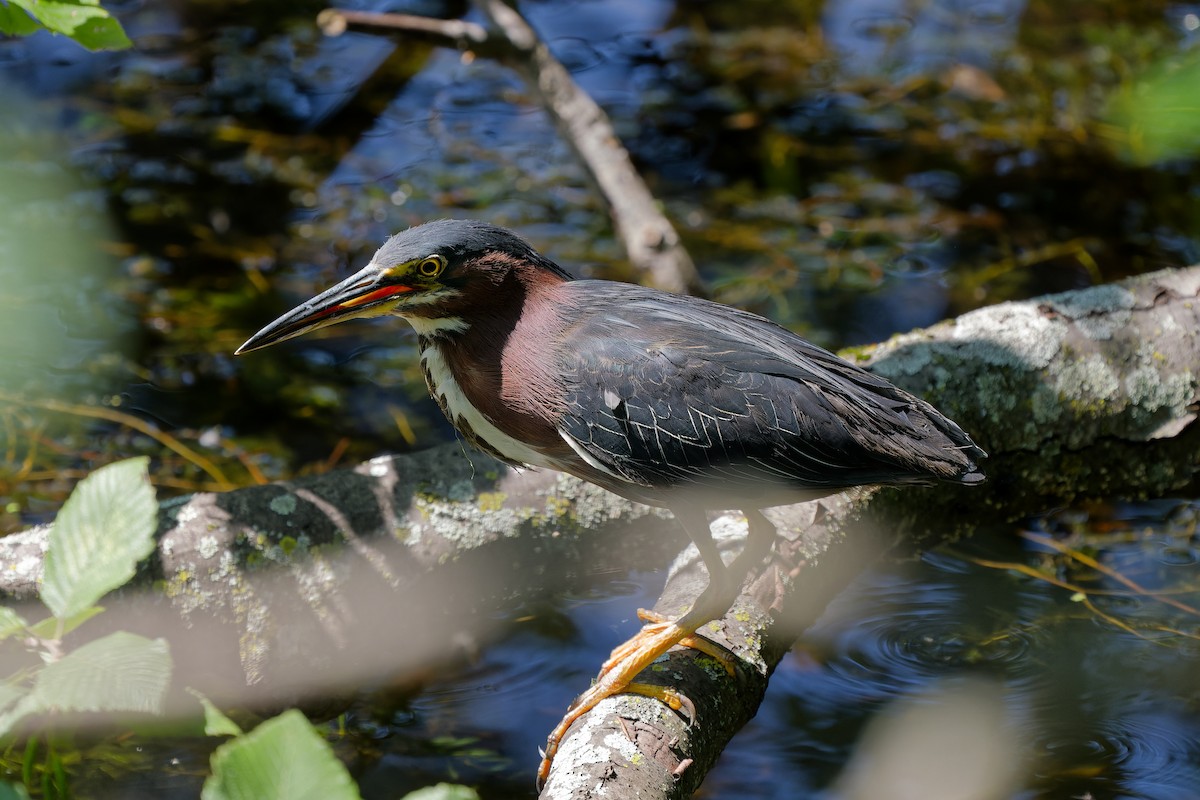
point(659, 634)
point(638, 653)
point(658, 622)
point(667, 696)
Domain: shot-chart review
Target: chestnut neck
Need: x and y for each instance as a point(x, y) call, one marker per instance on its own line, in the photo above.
point(503, 356)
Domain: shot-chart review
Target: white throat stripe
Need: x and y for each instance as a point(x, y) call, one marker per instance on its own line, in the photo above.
point(457, 406)
point(428, 326)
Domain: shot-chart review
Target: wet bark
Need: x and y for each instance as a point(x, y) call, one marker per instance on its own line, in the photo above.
point(279, 592)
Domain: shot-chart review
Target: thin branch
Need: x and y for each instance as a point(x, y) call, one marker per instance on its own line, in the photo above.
point(650, 239)
point(130, 421)
point(335, 22)
point(1088, 561)
point(651, 242)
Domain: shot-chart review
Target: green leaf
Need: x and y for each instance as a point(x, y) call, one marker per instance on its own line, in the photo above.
point(104, 529)
point(55, 628)
point(10, 693)
point(1157, 116)
point(11, 792)
point(215, 721)
point(119, 672)
point(15, 22)
point(282, 759)
point(10, 623)
point(82, 20)
point(443, 791)
point(23, 707)
point(101, 33)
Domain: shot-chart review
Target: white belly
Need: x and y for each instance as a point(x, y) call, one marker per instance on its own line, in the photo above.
point(460, 411)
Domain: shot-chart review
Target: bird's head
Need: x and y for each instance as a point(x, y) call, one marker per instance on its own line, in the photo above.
point(436, 275)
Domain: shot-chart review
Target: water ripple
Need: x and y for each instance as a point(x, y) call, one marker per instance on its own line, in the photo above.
point(1152, 754)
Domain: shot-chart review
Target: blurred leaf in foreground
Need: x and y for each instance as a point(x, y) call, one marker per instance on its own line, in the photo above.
point(105, 528)
point(119, 672)
point(443, 791)
point(62, 321)
point(82, 20)
point(282, 759)
point(1157, 116)
point(10, 792)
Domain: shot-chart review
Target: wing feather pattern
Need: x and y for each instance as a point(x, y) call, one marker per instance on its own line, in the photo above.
point(671, 392)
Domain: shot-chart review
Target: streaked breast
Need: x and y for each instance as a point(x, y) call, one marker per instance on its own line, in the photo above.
point(467, 419)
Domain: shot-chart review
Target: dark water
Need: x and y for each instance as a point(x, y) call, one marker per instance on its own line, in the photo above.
point(1083, 709)
point(1073, 706)
point(852, 169)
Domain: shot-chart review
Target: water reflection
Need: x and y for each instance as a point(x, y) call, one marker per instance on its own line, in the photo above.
point(1100, 713)
point(1056, 702)
point(915, 37)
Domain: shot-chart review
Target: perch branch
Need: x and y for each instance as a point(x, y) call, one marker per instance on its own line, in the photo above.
point(651, 242)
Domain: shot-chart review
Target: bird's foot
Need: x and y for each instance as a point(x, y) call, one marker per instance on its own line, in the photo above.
point(635, 655)
point(680, 703)
point(656, 622)
point(696, 642)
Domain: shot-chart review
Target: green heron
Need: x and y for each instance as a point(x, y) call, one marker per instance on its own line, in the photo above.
point(663, 399)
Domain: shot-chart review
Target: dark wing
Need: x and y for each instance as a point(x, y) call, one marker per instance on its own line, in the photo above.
point(673, 391)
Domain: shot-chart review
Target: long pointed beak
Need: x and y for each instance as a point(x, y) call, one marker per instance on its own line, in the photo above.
point(363, 294)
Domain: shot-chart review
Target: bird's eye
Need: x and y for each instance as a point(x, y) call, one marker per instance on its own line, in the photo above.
point(430, 267)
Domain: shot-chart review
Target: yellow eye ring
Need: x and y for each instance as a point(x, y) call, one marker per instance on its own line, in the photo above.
point(430, 267)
